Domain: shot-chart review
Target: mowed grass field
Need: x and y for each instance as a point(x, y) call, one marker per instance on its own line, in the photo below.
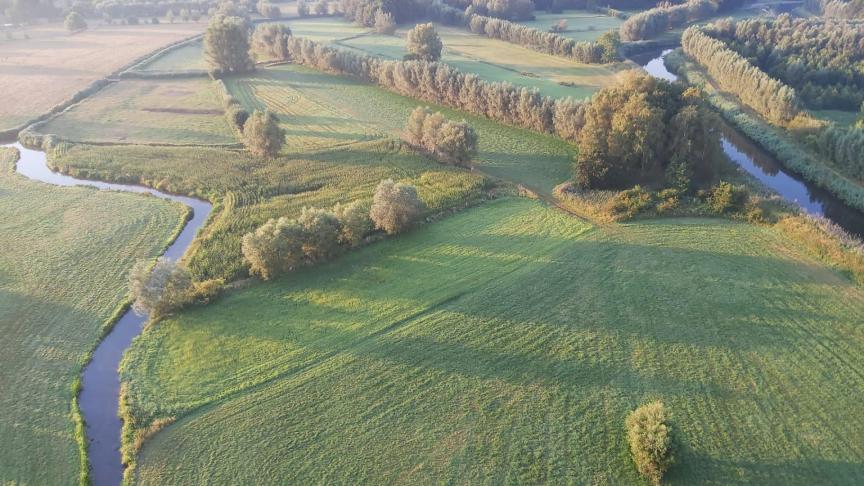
point(173, 111)
point(582, 25)
point(189, 57)
point(62, 275)
point(319, 109)
point(38, 73)
point(506, 344)
point(491, 59)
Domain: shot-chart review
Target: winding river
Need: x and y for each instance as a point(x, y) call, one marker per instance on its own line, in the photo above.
point(763, 166)
point(100, 388)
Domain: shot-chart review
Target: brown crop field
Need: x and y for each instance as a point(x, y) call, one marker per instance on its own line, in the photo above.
point(51, 66)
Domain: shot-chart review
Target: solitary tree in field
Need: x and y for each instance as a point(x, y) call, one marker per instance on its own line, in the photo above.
point(270, 41)
point(650, 437)
point(226, 45)
point(75, 22)
point(262, 134)
point(423, 42)
point(395, 207)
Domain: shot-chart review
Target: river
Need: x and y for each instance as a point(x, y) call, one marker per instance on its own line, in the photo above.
point(763, 166)
point(100, 381)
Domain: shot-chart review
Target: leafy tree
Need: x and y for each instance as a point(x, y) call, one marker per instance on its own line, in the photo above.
point(75, 22)
point(270, 41)
point(355, 223)
point(649, 434)
point(384, 23)
point(322, 233)
point(267, 9)
point(726, 198)
point(559, 26)
point(160, 290)
point(274, 248)
point(262, 135)
point(302, 8)
point(457, 143)
point(424, 43)
point(226, 45)
point(609, 44)
point(395, 207)
point(322, 8)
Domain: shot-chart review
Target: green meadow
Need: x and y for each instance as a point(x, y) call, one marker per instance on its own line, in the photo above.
point(506, 344)
point(62, 276)
point(582, 25)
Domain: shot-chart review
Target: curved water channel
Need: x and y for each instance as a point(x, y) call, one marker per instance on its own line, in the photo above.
point(763, 166)
point(100, 380)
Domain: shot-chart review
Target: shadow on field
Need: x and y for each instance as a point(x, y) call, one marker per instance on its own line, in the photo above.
point(767, 472)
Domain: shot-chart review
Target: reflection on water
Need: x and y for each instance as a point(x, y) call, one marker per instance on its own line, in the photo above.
point(100, 381)
point(766, 168)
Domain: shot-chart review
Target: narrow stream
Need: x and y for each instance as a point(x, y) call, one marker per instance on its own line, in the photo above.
point(763, 166)
point(100, 389)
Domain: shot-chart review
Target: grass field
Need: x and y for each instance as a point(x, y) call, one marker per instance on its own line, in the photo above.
point(845, 118)
point(189, 57)
point(320, 109)
point(177, 111)
point(62, 275)
point(51, 66)
point(582, 25)
point(506, 344)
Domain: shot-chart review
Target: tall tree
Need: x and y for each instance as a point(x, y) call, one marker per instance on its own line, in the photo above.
point(262, 134)
point(226, 45)
point(424, 43)
point(270, 41)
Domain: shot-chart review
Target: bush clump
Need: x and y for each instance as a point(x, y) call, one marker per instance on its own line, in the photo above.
point(423, 43)
point(449, 141)
point(262, 135)
point(649, 434)
point(726, 198)
point(395, 207)
point(167, 287)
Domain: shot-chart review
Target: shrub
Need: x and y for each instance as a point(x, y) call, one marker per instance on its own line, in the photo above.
point(322, 230)
point(237, 116)
point(650, 437)
point(321, 7)
point(75, 22)
point(302, 9)
point(395, 207)
point(631, 202)
point(451, 142)
point(262, 134)
point(270, 41)
point(423, 42)
point(274, 248)
point(267, 9)
point(160, 290)
point(726, 198)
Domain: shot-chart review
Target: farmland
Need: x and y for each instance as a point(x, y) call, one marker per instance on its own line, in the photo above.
point(62, 276)
point(188, 57)
point(177, 111)
point(51, 66)
point(506, 344)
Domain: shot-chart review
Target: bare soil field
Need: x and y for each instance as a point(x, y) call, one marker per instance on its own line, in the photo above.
point(51, 66)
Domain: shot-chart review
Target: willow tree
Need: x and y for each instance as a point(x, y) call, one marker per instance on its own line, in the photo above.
point(226, 45)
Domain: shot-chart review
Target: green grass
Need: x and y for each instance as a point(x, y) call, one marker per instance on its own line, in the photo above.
point(175, 111)
point(506, 344)
point(62, 275)
point(320, 109)
point(324, 29)
point(582, 25)
point(186, 58)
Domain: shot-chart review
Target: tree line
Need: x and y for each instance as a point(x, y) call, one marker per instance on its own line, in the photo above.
point(439, 83)
point(820, 58)
point(771, 98)
point(845, 147)
point(602, 51)
point(317, 235)
point(655, 21)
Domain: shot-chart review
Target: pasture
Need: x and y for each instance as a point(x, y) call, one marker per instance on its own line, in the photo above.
point(62, 276)
point(582, 25)
point(51, 66)
point(172, 111)
point(505, 344)
point(188, 57)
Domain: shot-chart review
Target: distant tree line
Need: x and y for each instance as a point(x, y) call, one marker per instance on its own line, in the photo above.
point(119, 9)
point(283, 245)
point(838, 9)
point(603, 51)
point(773, 99)
point(26, 10)
point(502, 9)
point(655, 21)
point(439, 83)
point(821, 59)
